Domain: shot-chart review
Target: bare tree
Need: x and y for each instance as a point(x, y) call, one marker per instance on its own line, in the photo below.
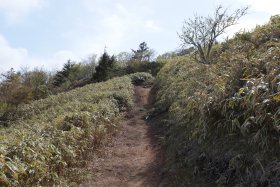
point(123, 58)
point(202, 32)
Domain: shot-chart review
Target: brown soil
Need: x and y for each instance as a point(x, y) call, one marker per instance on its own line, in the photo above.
point(134, 157)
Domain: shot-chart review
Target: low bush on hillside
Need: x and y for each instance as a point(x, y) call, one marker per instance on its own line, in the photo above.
point(48, 141)
point(138, 66)
point(223, 119)
point(142, 78)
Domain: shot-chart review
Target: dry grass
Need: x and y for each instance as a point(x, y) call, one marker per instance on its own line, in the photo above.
point(49, 141)
point(223, 119)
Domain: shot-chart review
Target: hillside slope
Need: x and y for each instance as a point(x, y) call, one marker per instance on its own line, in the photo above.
point(49, 141)
point(223, 119)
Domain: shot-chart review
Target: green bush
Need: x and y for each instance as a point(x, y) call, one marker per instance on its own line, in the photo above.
point(222, 124)
point(105, 69)
point(49, 141)
point(149, 67)
point(141, 78)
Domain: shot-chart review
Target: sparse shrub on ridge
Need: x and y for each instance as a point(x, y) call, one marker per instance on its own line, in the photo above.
point(201, 33)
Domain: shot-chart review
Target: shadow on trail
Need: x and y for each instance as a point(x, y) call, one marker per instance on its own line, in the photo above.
point(135, 157)
point(144, 99)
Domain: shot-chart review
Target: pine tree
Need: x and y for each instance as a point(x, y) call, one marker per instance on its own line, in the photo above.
point(143, 53)
point(105, 68)
point(61, 76)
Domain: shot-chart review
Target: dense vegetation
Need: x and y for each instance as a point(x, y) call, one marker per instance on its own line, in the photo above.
point(17, 87)
point(218, 106)
point(223, 119)
point(50, 139)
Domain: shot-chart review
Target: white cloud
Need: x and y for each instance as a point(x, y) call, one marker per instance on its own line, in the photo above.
point(258, 14)
point(117, 25)
point(20, 58)
point(15, 10)
point(10, 57)
point(52, 63)
point(270, 7)
point(151, 26)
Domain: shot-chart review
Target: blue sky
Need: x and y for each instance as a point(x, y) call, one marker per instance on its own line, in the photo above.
point(45, 33)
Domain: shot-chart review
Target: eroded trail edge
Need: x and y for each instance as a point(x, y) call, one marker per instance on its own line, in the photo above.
point(134, 158)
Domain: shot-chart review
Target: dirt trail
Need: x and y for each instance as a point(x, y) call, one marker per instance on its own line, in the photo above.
point(134, 157)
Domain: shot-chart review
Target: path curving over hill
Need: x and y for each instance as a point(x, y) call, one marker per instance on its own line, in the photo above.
point(134, 158)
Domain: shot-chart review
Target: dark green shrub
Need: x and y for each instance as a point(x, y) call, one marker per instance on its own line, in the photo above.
point(141, 78)
point(105, 69)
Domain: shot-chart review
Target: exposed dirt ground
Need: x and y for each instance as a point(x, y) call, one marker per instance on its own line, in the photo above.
point(134, 157)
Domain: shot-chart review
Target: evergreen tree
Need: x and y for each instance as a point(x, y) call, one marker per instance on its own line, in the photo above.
point(143, 53)
point(105, 68)
point(61, 76)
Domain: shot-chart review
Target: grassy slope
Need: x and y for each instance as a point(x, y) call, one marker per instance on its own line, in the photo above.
point(223, 119)
point(51, 139)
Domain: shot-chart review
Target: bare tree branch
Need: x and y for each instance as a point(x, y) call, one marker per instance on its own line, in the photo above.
point(202, 32)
